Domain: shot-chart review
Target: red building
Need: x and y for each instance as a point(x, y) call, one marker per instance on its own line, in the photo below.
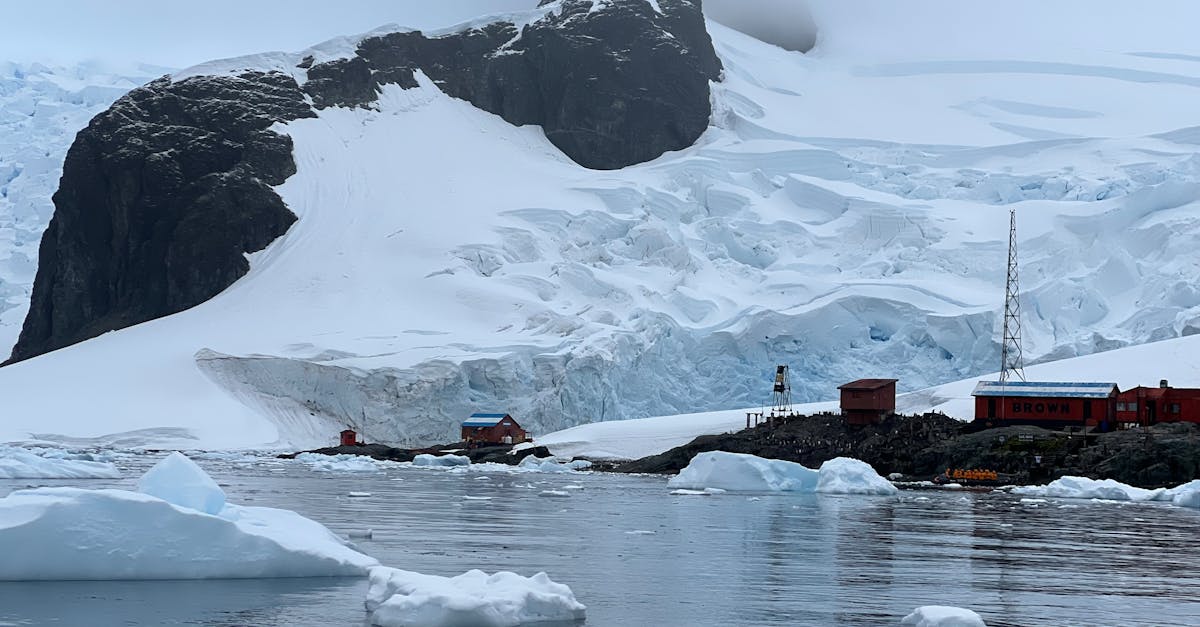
point(1046, 404)
point(492, 429)
point(1147, 406)
point(868, 401)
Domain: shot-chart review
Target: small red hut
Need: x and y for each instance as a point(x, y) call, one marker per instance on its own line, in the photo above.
point(349, 438)
point(492, 429)
point(868, 401)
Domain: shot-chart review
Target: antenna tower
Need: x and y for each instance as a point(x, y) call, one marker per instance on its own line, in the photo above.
point(1010, 351)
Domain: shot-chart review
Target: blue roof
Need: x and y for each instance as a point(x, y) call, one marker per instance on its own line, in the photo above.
point(1045, 389)
point(483, 420)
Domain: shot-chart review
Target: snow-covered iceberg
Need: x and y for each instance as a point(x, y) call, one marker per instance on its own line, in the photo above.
point(942, 616)
point(1185, 495)
point(748, 473)
point(441, 461)
point(183, 530)
point(398, 598)
point(22, 463)
point(553, 464)
point(339, 463)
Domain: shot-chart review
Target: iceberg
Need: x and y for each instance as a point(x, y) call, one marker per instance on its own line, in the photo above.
point(179, 481)
point(738, 472)
point(78, 534)
point(441, 461)
point(398, 598)
point(339, 463)
point(22, 463)
point(942, 616)
point(553, 464)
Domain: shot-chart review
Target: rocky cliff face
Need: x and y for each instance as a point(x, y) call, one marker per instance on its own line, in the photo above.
point(163, 194)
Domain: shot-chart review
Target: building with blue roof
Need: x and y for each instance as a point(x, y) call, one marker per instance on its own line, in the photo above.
point(492, 428)
point(1046, 403)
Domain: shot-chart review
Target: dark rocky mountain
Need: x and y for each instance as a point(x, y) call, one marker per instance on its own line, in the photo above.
point(163, 194)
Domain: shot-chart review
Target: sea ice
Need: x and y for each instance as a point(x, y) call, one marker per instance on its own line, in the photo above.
point(441, 461)
point(179, 481)
point(747, 473)
point(22, 463)
point(942, 616)
point(402, 598)
point(553, 464)
point(339, 463)
point(78, 534)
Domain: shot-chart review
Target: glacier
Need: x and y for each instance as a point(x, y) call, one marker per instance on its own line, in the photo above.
point(846, 214)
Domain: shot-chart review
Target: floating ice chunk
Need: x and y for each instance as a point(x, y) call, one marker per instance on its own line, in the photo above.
point(553, 464)
point(555, 493)
point(748, 473)
point(339, 463)
point(1085, 488)
point(704, 492)
point(843, 475)
point(22, 463)
point(441, 461)
point(402, 598)
point(744, 473)
point(179, 481)
point(1186, 495)
point(942, 616)
point(77, 534)
point(359, 495)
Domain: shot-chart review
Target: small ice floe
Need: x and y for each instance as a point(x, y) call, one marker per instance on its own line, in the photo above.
point(572, 487)
point(554, 493)
point(640, 532)
point(1028, 501)
point(477, 498)
point(942, 616)
point(754, 498)
point(400, 598)
point(704, 492)
point(359, 495)
point(46, 463)
point(178, 527)
point(339, 463)
point(553, 464)
point(440, 461)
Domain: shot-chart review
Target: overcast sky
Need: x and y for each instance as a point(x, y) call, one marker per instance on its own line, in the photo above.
point(179, 33)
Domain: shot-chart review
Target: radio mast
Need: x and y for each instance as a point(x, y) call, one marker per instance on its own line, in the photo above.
point(1010, 350)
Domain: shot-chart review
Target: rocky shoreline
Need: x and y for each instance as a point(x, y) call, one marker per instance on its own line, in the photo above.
point(923, 447)
point(501, 454)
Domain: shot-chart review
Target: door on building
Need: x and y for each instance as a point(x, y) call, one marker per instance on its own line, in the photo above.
point(991, 411)
point(1087, 411)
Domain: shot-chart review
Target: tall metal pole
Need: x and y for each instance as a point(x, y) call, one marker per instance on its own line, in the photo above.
point(1010, 351)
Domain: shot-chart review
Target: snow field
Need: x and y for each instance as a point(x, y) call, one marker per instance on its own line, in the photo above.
point(399, 598)
point(738, 472)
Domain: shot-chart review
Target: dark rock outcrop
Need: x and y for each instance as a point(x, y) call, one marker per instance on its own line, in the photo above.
point(163, 194)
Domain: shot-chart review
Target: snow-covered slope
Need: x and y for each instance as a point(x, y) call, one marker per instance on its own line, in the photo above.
point(41, 109)
point(845, 214)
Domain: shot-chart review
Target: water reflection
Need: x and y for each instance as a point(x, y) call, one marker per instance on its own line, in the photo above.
point(637, 555)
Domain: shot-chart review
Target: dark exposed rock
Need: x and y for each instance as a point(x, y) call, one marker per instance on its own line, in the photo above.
point(923, 446)
point(163, 194)
point(501, 454)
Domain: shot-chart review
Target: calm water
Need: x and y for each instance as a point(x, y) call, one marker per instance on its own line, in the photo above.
point(636, 555)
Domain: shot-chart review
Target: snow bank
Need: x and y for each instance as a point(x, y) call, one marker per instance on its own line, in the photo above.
point(402, 598)
point(441, 461)
point(339, 463)
point(942, 616)
point(77, 534)
point(22, 463)
point(747, 473)
point(553, 464)
point(179, 481)
point(843, 475)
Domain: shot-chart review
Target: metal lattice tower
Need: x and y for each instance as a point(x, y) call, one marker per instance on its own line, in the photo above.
point(781, 399)
point(1010, 351)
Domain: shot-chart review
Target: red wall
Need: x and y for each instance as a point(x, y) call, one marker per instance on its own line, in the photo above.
point(1044, 410)
point(880, 399)
point(1154, 405)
